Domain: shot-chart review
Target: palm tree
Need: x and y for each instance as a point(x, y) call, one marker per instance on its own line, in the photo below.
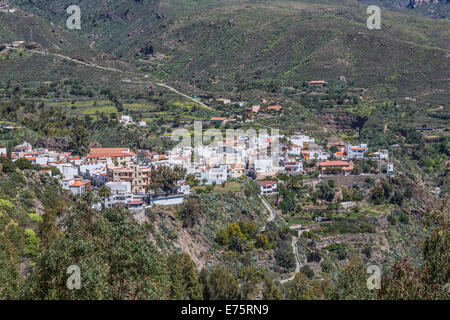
point(294, 182)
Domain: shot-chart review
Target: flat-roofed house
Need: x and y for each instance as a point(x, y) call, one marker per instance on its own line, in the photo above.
point(356, 152)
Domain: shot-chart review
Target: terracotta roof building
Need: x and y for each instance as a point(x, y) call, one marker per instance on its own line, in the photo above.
point(120, 155)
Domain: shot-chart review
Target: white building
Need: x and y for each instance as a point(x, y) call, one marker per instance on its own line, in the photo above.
point(126, 120)
point(267, 187)
point(120, 193)
point(355, 152)
point(78, 187)
point(183, 188)
point(380, 155)
point(168, 200)
point(302, 141)
point(215, 175)
point(390, 168)
point(265, 167)
point(294, 166)
point(65, 183)
point(67, 170)
point(24, 147)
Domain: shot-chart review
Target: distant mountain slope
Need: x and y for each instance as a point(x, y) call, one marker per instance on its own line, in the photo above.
point(47, 45)
point(235, 45)
point(431, 8)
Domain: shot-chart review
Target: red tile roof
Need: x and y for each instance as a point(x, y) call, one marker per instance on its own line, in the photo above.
point(134, 202)
point(266, 183)
point(77, 184)
point(274, 108)
point(334, 164)
point(110, 152)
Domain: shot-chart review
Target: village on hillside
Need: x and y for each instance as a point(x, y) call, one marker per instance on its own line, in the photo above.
point(126, 172)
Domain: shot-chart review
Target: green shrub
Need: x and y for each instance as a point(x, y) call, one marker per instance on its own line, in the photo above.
point(35, 217)
point(367, 251)
point(307, 271)
point(403, 217)
point(262, 241)
point(391, 220)
point(23, 164)
point(327, 265)
point(285, 258)
point(32, 242)
point(5, 205)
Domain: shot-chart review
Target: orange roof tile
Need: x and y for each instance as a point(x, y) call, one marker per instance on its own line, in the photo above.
point(110, 152)
point(77, 184)
point(274, 108)
point(266, 183)
point(334, 164)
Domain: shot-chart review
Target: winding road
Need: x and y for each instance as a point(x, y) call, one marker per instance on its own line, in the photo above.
point(182, 94)
point(272, 213)
point(272, 218)
point(93, 65)
point(298, 263)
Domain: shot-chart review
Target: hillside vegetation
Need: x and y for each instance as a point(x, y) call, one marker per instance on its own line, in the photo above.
point(238, 45)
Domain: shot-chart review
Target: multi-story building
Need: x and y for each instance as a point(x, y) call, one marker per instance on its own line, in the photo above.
point(120, 193)
point(137, 176)
point(79, 186)
point(355, 152)
point(267, 187)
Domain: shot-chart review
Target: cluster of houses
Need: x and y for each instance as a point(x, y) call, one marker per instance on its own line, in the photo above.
point(117, 168)
point(14, 44)
point(127, 173)
point(251, 112)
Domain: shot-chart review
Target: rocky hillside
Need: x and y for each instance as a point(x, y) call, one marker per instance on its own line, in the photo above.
point(240, 45)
